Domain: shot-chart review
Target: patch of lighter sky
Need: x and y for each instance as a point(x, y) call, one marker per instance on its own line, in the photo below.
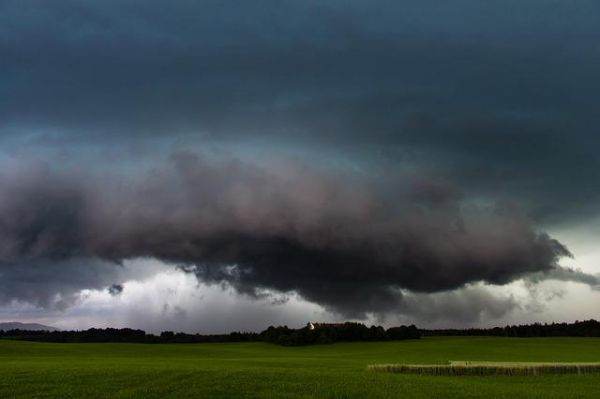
point(582, 241)
point(174, 300)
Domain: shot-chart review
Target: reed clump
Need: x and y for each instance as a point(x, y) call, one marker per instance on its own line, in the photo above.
point(457, 368)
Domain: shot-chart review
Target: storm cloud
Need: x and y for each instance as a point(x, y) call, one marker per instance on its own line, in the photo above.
point(363, 155)
point(348, 242)
point(499, 96)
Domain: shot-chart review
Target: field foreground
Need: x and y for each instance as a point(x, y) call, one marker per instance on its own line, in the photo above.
point(250, 370)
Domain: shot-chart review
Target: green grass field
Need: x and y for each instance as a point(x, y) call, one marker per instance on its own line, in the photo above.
point(29, 370)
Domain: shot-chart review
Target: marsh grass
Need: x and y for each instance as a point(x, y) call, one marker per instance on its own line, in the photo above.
point(457, 368)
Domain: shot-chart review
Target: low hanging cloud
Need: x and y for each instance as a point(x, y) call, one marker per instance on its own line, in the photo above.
point(469, 305)
point(347, 241)
point(115, 289)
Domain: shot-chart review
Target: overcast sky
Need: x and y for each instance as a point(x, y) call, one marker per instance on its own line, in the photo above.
point(214, 165)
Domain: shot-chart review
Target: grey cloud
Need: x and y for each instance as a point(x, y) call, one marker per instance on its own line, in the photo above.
point(343, 240)
point(52, 284)
point(567, 274)
point(115, 289)
point(497, 96)
point(468, 306)
point(446, 112)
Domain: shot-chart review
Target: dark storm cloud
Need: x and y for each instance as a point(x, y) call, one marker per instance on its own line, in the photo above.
point(499, 96)
point(343, 240)
point(450, 112)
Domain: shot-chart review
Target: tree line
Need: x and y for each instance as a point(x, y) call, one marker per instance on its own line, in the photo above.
point(309, 335)
point(586, 328)
point(101, 335)
point(283, 335)
point(343, 332)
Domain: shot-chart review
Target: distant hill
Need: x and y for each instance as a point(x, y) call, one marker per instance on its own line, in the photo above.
point(15, 325)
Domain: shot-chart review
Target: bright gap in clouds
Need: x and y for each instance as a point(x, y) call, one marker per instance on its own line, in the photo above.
point(166, 298)
point(175, 300)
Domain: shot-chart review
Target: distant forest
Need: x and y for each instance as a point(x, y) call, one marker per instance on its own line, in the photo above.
point(587, 328)
point(318, 334)
point(309, 335)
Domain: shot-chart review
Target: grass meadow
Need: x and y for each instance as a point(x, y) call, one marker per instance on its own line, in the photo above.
point(257, 370)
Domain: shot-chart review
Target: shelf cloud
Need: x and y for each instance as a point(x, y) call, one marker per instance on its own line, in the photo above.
point(346, 242)
point(371, 158)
